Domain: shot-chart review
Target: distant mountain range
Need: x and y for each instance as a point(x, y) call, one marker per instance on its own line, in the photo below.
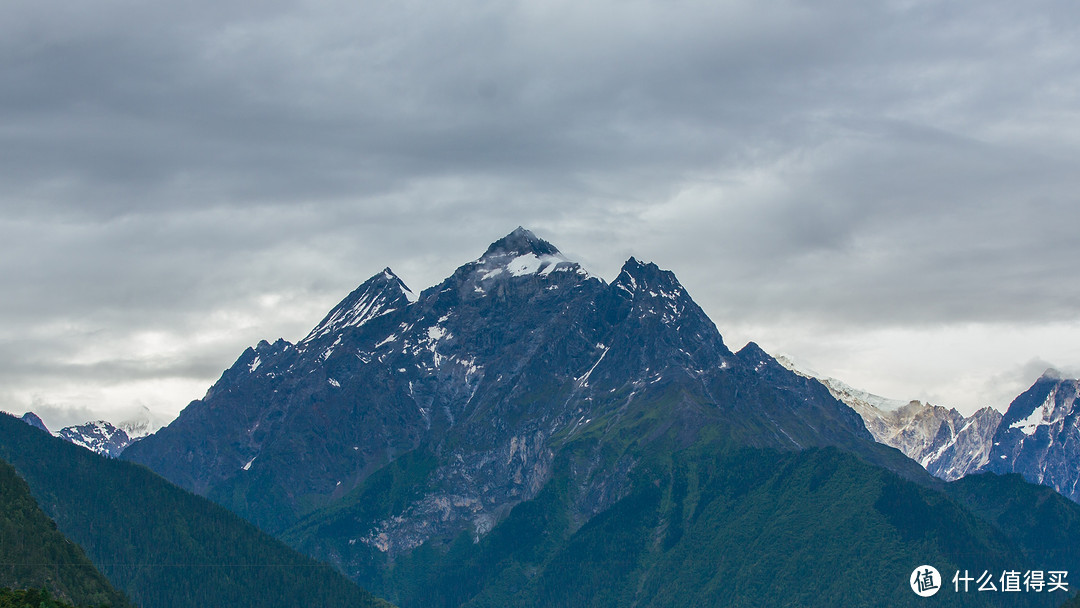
point(942, 440)
point(101, 436)
point(98, 436)
point(527, 434)
point(1038, 436)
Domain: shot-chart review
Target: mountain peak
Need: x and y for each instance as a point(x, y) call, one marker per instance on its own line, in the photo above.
point(647, 276)
point(518, 254)
point(1052, 374)
point(98, 436)
point(33, 420)
point(757, 359)
point(521, 242)
point(636, 268)
point(752, 351)
point(387, 278)
point(142, 422)
point(384, 292)
point(1037, 436)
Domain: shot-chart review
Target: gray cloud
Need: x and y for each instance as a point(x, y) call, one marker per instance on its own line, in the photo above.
point(228, 170)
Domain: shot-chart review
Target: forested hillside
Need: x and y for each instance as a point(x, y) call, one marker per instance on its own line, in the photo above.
point(34, 555)
point(163, 546)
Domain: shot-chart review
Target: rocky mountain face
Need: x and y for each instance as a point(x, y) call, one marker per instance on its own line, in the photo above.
point(33, 420)
point(945, 442)
point(960, 445)
point(101, 436)
point(526, 434)
point(492, 372)
point(1039, 436)
point(97, 436)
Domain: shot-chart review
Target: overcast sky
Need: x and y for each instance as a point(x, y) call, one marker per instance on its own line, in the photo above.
point(886, 191)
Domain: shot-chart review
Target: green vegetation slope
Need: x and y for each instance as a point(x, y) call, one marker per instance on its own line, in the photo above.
point(163, 546)
point(34, 555)
point(30, 598)
point(704, 527)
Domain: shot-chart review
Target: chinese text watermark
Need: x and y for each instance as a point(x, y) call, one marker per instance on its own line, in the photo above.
point(926, 581)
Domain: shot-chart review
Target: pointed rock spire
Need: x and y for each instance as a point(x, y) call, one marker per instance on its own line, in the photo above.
point(644, 277)
point(521, 242)
point(382, 293)
point(517, 254)
point(33, 420)
point(756, 358)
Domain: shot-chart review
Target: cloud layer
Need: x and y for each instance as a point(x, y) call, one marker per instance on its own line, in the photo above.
point(181, 180)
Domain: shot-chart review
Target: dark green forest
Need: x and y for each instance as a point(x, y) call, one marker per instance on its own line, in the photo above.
point(34, 555)
point(30, 598)
point(163, 546)
point(717, 527)
point(712, 524)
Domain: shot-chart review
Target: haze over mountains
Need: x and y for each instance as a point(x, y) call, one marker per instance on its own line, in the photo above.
point(1038, 436)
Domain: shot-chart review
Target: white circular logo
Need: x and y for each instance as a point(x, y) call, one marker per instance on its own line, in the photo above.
point(925, 581)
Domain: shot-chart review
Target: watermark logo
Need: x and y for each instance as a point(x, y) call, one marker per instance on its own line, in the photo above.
point(925, 581)
point(1013, 581)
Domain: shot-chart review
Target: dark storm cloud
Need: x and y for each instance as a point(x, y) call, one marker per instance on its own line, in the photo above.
point(903, 230)
point(230, 169)
point(134, 104)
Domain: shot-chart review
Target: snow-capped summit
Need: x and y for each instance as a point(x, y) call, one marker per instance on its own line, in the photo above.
point(498, 367)
point(97, 436)
point(518, 254)
point(101, 436)
point(846, 392)
point(520, 242)
point(140, 424)
point(1039, 436)
point(945, 442)
point(1045, 405)
point(516, 265)
point(381, 294)
point(1050, 413)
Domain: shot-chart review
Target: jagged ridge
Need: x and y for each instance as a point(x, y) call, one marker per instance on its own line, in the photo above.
point(520, 397)
point(510, 358)
point(1039, 436)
